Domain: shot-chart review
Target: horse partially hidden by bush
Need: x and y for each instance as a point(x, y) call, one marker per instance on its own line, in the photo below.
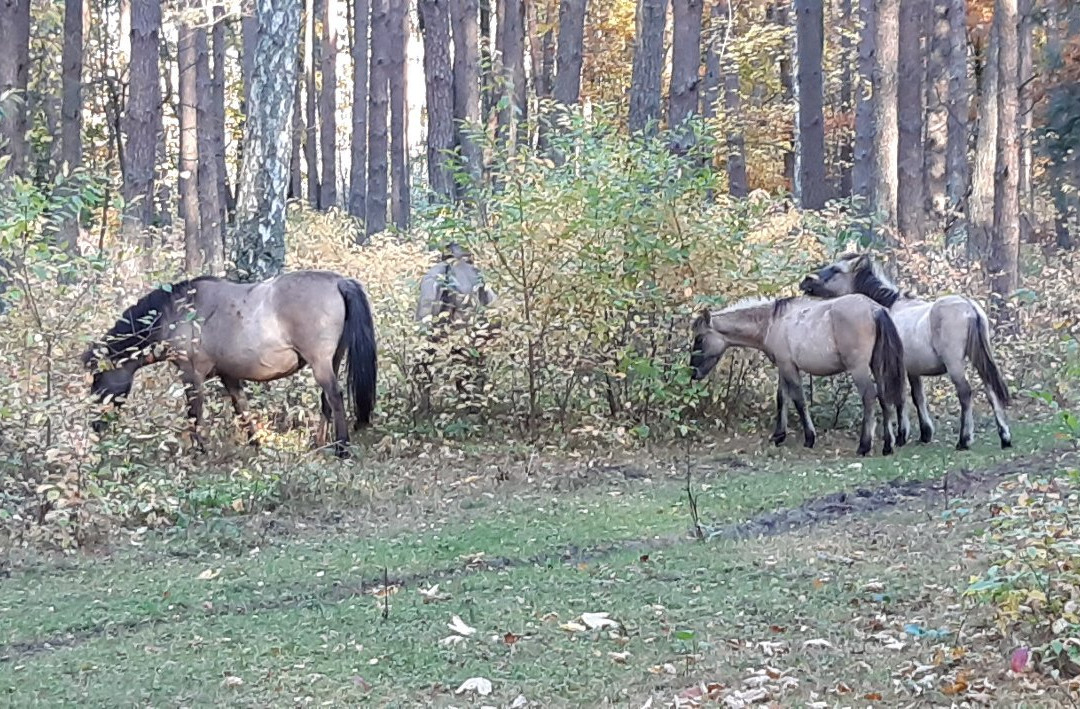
point(820, 337)
point(939, 337)
point(209, 327)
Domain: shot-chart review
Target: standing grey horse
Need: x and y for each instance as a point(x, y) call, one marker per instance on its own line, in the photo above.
point(209, 327)
point(452, 285)
point(939, 337)
point(821, 337)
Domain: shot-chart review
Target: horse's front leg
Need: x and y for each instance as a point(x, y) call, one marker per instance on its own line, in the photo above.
point(792, 382)
point(240, 406)
point(193, 390)
point(780, 431)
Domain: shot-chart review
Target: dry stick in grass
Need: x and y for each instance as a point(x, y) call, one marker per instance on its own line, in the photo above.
point(698, 534)
point(386, 594)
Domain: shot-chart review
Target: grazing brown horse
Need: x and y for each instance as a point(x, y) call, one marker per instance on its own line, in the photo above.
point(820, 337)
point(939, 337)
point(209, 327)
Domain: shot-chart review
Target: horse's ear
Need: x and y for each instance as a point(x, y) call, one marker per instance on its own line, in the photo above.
point(862, 262)
point(703, 317)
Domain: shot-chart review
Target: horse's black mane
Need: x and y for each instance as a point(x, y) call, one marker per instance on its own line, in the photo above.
point(781, 305)
point(139, 325)
point(870, 284)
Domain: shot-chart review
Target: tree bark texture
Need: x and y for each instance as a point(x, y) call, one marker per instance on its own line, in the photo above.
point(217, 40)
point(435, 20)
point(910, 204)
point(296, 177)
point(511, 45)
point(142, 122)
point(259, 245)
point(958, 106)
point(14, 75)
point(188, 178)
point(311, 145)
point(779, 14)
point(1025, 71)
point(378, 109)
point(847, 77)
point(1005, 240)
point(937, 108)
point(358, 144)
point(71, 119)
point(862, 172)
point(465, 17)
point(885, 113)
point(570, 54)
point(400, 196)
point(648, 65)
point(328, 103)
point(810, 39)
point(981, 201)
point(211, 202)
point(683, 97)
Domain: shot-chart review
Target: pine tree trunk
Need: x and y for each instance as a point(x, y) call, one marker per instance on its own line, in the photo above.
point(217, 38)
point(722, 72)
point(188, 178)
point(1003, 264)
point(648, 65)
point(71, 120)
point(400, 196)
point(487, 81)
point(142, 121)
point(328, 104)
point(910, 204)
point(511, 43)
point(810, 39)
point(259, 242)
point(715, 41)
point(249, 39)
point(937, 109)
point(959, 132)
point(847, 77)
point(211, 204)
point(435, 21)
point(296, 177)
point(14, 75)
point(311, 146)
point(885, 114)
point(378, 108)
point(981, 202)
point(862, 172)
point(464, 16)
point(358, 141)
point(683, 96)
point(779, 14)
point(1027, 197)
point(567, 89)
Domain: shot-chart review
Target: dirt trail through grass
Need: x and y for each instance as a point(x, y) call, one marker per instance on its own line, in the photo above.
point(303, 618)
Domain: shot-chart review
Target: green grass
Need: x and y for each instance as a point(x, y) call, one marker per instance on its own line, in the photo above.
point(296, 618)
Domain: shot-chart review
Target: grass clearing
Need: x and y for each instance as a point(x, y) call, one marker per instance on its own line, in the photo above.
point(296, 617)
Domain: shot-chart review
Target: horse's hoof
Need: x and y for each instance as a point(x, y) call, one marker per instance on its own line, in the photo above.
point(926, 435)
point(779, 438)
point(1006, 443)
point(886, 450)
point(963, 445)
point(863, 449)
point(809, 441)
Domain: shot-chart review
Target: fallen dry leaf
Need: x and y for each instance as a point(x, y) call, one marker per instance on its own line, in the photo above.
point(519, 702)
point(477, 685)
point(817, 642)
point(458, 626)
point(208, 574)
point(432, 595)
point(232, 681)
point(619, 657)
point(510, 638)
point(572, 627)
point(598, 620)
point(451, 640)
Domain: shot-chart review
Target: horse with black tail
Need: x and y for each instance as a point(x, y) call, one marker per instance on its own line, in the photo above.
point(210, 327)
point(939, 336)
point(820, 337)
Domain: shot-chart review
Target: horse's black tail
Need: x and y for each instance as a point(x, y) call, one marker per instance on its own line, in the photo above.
point(359, 336)
point(978, 351)
point(887, 359)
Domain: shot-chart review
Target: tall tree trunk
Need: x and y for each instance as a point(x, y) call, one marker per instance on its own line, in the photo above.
point(981, 201)
point(143, 120)
point(249, 39)
point(311, 146)
point(379, 101)
point(487, 64)
point(552, 20)
point(435, 22)
point(1005, 240)
point(715, 42)
point(937, 108)
point(328, 104)
point(885, 113)
point(862, 172)
point(511, 42)
point(648, 65)
point(188, 178)
point(217, 38)
point(683, 98)
point(958, 105)
point(259, 244)
point(296, 177)
point(400, 196)
point(14, 75)
point(358, 144)
point(779, 13)
point(567, 89)
point(211, 202)
point(71, 119)
point(910, 204)
point(810, 40)
point(1027, 196)
point(464, 15)
point(722, 72)
point(847, 77)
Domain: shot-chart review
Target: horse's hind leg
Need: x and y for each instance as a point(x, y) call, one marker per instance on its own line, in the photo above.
point(999, 415)
point(780, 431)
point(239, 402)
point(193, 390)
point(325, 377)
point(868, 392)
point(792, 384)
point(918, 395)
point(955, 367)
